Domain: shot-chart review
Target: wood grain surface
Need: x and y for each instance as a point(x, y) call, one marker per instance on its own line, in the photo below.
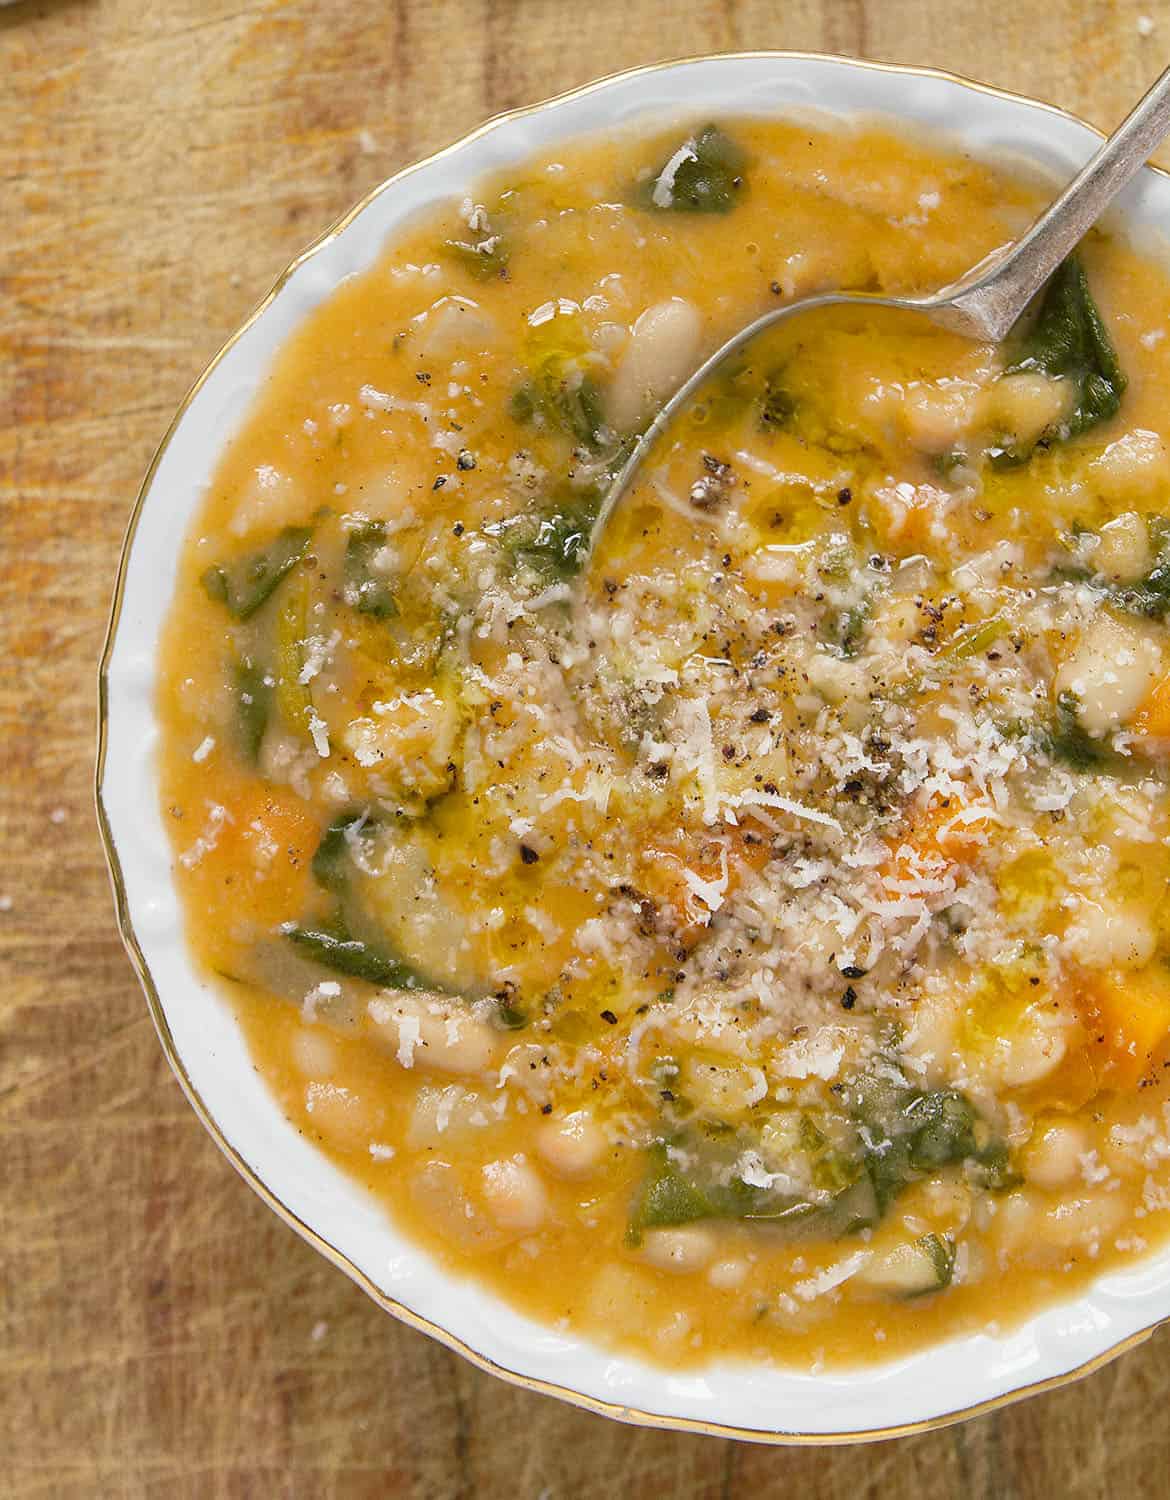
point(162, 1333)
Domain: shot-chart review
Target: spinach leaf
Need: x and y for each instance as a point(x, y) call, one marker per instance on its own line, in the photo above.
point(509, 1017)
point(668, 1195)
point(292, 695)
point(333, 860)
point(253, 691)
point(915, 1268)
point(706, 1188)
point(245, 585)
point(891, 1135)
point(333, 948)
point(777, 403)
point(568, 404)
point(1069, 743)
point(366, 589)
point(554, 540)
point(485, 258)
point(707, 179)
point(333, 944)
point(1150, 596)
point(974, 639)
point(909, 1133)
point(850, 627)
point(1068, 340)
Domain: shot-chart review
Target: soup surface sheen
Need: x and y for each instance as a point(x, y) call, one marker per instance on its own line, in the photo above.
point(752, 938)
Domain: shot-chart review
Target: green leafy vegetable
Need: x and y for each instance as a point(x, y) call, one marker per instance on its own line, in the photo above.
point(705, 1188)
point(333, 948)
point(705, 175)
point(910, 1133)
point(914, 1269)
point(777, 404)
point(974, 639)
point(485, 258)
point(366, 588)
point(253, 705)
point(668, 1195)
point(1069, 743)
point(940, 1252)
point(1069, 341)
point(1150, 596)
point(246, 585)
point(568, 402)
point(334, 857)
point(846, 1168)
point(851, 625)
point(554, 541)
point(510, 1017)
point(992, 1168)
point(945, 464)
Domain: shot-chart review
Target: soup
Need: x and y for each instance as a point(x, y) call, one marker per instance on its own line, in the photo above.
point(746, 934)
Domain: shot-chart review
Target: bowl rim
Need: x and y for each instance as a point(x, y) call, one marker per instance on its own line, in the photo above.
point(613, 1409)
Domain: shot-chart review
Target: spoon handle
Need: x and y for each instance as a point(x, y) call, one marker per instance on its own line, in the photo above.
point(994, 300)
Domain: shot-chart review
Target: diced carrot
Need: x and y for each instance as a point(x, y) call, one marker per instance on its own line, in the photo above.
point(949, 832)
point(1131, 1012)
point(1153, 717)
point(663, 873)
point(910, 512)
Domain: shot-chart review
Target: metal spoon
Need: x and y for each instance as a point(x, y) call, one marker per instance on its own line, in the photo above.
point(985, 303)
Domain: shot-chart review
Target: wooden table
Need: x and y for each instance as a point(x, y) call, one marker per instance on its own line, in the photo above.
point(163, 1333)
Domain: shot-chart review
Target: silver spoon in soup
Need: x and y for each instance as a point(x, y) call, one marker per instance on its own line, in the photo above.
point(987, 303)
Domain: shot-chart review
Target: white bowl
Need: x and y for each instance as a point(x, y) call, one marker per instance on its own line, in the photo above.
point(197, 1029)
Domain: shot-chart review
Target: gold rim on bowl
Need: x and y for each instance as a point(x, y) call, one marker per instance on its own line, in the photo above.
point(406, 1315)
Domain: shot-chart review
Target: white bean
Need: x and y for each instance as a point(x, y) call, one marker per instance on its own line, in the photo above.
point(446, 1115)
point(1124, 553)
point(439, 1194)
point(571, 1145)
point(1033, 1050)
point(1125, 1148)
point(1078, 1222)
point(434, 1033)
point(945, 1203)
point(314, 1054)
point(1110, 672)
point(934, 1027)
point(1026, 403)
point(515, 1195)
point(688, 1248)
point(662, 351)
point(1135, 467)
point(1016, 1221)
point(935, 416)
point(1104, 936)
point(340, 1115)
point(726, 1275)
point(1052, 1158)
point(453, 325)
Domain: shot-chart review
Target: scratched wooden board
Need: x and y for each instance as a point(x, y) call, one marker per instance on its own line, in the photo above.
point(163, 1334)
